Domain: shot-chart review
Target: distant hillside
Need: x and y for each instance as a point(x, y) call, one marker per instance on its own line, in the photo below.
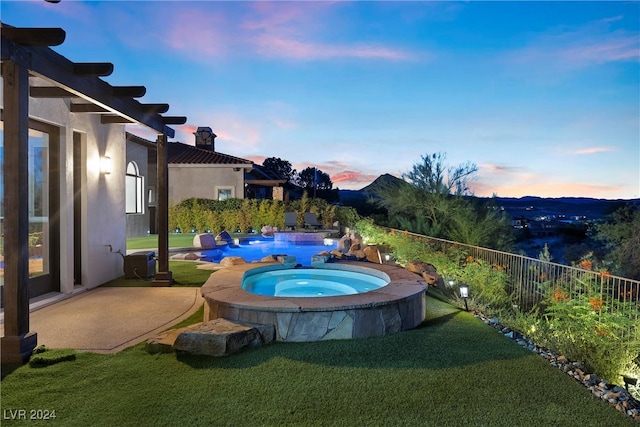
point(532, 206)
point(529, 206)
point(382, 181)
point(352, 197)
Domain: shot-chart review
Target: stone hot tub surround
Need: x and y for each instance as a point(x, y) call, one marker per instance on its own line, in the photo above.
point(393, 308)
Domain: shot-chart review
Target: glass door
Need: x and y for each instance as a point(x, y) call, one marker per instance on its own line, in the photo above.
point(43, 207)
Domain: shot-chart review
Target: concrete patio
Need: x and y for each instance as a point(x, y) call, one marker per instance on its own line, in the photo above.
point(108, 320)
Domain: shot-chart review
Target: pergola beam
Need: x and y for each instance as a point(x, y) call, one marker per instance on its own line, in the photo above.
point(34, 36)
point(50, 92)
point(114, 119)
point(59, 71)
point(128, 91)
point(174, 120)
point(92, 69)
point(87, 108)
point(155, 108)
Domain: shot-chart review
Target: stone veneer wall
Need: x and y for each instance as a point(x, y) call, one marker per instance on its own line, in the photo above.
point(340, 324)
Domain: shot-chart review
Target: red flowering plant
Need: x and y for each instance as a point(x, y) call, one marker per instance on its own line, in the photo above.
point(590, 327)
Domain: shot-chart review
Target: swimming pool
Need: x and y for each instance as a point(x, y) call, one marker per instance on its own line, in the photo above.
point(256, 248)
point(309, 282)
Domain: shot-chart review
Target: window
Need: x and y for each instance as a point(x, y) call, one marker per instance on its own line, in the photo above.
point(135, 194)
point(225, 193)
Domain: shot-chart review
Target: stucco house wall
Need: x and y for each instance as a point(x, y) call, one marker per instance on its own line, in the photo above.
point(103, 221)
point(204, 181)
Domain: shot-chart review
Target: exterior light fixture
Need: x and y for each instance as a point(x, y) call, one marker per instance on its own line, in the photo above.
point(464, 294)
point(629, 381)
point(105, 165)
point(387, 257)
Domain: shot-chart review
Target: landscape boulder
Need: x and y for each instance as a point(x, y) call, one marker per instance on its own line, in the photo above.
point(228, 261)
point(220, 337)
point(372, 254)
point(348, 241)
point(432, 278)
point(268, 230)
point(204, 240)
point(420, 267)
point(225, 237)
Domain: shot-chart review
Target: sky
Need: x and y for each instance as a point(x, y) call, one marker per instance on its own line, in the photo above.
point(543, 97)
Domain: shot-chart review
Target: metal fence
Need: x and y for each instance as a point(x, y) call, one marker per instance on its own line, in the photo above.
point(530, 279)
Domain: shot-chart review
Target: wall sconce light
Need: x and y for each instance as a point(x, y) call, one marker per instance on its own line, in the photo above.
point(464, 294)
point(105, 165)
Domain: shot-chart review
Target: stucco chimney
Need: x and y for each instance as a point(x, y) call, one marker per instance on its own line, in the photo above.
point(205, 138)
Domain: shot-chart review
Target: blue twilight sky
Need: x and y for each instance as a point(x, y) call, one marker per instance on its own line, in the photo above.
point(544, 97)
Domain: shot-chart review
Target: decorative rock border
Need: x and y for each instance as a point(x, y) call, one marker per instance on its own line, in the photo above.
point(615, 395)
point(393, 308)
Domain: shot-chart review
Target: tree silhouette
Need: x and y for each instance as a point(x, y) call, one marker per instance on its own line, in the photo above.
point(280, 167)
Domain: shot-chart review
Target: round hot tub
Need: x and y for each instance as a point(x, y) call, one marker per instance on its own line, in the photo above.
point(312, 282)
point(394, 302)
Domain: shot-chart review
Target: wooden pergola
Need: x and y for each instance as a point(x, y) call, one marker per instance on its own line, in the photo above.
point(26, 54)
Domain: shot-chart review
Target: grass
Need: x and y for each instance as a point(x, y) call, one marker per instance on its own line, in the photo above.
point(453, 370)
point(176, 240)
point(184, 273)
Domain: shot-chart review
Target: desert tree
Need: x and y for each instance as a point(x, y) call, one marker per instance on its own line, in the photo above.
point(435, 199)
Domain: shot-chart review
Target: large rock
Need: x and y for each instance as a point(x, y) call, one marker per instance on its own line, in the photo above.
point(432, 278)
point(192, 256)
point(347, 241)
point(204, 240)
point(420, 267)
point(220, 337)
point(225, 237)
point(358, 254)
point(268, 230)
point(373, 254)
point(228, 261)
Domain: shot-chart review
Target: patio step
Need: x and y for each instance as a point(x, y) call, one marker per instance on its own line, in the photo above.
point(217, 337)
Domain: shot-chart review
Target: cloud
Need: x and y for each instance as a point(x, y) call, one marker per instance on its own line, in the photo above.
point(343, 175)
point(197, 33)
point(516, 181)
point(275, 46)
point(256, 159)
point(562, 50)
point(594, 150)
point(494, 168)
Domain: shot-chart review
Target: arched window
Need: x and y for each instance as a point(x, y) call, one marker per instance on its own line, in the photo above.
point(135, 195)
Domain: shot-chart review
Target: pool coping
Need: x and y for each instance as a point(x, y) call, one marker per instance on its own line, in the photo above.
point(223, 287)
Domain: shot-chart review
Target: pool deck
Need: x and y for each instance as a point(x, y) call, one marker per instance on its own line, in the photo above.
point(392, 308)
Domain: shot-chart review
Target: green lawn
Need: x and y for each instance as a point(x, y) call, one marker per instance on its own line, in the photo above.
point(176, 240)
point(184, 274)
point(452, 371)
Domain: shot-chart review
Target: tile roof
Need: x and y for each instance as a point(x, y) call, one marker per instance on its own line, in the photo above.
point(183, 153)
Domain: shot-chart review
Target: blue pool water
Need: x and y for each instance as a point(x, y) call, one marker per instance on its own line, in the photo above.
point(309, 282)
point(260, 247)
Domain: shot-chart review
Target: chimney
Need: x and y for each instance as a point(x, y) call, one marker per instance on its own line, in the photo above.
point(205, 138)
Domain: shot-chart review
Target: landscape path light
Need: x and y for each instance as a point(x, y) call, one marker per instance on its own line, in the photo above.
point(464, 294)
point(629, 381)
